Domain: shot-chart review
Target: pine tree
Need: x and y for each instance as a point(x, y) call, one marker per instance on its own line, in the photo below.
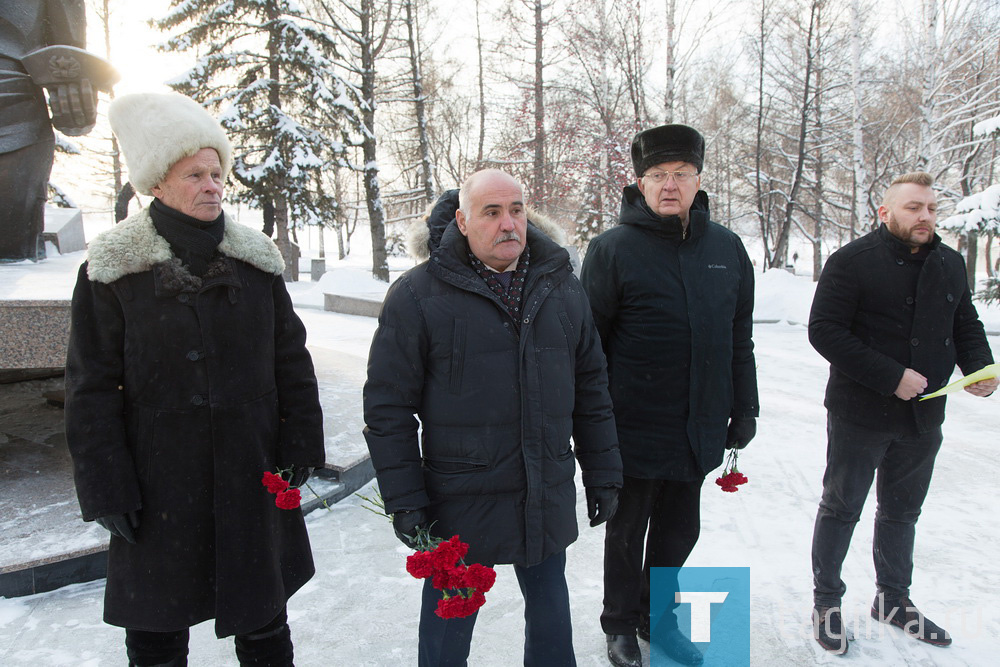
point(272, 75)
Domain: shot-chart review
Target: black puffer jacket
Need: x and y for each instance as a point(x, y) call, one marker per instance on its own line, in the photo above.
point(180, 393)
point(676, 319)
point(879, 310)
point(497, 408)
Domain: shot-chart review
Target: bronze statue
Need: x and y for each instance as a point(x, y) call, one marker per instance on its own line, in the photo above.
point(41, 45)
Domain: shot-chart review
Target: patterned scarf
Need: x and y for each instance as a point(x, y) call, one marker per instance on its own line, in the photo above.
point(510, 294)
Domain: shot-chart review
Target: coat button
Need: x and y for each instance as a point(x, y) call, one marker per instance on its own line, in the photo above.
point(197, 400)
point(909, 301)
point(914, 342)
point(183, 298)
point(900, 262)
point(527, 320)
point(947, 342)
point(194, 355)
point(950, 298)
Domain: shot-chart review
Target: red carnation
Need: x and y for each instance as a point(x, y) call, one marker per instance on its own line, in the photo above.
point(448, 577)
point(732, 478)
point(274, 483)
point(479, 577)
point(420, 565)
point(288, 499)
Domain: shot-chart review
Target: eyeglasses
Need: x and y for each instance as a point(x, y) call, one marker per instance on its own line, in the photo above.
point(680, 177)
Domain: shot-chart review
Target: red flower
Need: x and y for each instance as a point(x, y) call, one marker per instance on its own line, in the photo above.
point(289, 499)
point(457, 606)
point(448, 577)
point(449, 552)
point(479, 577)
point(420, 565)
point(274, 483)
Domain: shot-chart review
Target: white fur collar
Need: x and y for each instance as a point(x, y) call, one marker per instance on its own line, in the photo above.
point(133, 246)
point(417, 234)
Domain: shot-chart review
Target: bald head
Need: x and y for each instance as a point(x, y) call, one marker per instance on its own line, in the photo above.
point(484, 178)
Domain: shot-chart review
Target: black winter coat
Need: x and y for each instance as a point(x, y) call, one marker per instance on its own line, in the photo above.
point(871, 320)
point(494, 463)
point(654, 298)
point(179, 396)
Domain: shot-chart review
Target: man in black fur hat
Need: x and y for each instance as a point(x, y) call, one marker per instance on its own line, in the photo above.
point(672, 297)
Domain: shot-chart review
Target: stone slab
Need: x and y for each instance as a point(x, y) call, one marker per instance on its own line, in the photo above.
point(33, 334)
point(64, 228)
point(366, 305)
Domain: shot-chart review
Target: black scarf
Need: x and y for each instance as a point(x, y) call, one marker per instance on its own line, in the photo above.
point(192, 241)
point(510, 293)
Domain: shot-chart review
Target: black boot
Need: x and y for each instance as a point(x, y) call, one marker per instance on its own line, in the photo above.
point(623, 651)
point(903, 614)
point(678, 647)
point(643, 629)
point(271, 646)
point(828, 629)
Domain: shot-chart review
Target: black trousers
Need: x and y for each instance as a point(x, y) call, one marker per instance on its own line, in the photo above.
point(672, 512)
point(904, 464)
point(270, 646)
point(548, 629)
point(24, 184)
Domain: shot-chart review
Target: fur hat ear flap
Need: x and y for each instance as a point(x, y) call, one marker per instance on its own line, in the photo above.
point(155, 130)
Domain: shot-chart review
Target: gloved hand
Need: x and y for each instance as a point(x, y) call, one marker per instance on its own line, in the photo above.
point(602, 501)
point(121, 525)
point(74, 107)
point(300, 475)
point(741, 431)
point(405, 525)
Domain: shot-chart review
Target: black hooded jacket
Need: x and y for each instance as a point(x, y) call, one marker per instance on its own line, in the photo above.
point(675, 318)
point(491, 458)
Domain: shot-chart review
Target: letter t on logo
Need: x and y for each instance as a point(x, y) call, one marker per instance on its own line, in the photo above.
point(701, 611)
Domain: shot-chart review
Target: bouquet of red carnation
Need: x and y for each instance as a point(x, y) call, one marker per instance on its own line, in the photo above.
point(286, 497)
point(731, 476)
point(463, 587)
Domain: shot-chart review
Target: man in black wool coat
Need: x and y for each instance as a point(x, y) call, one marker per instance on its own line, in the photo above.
point(892, 314)
point(187, 379)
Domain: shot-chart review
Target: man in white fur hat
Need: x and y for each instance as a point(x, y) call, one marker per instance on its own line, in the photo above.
point(187, 379)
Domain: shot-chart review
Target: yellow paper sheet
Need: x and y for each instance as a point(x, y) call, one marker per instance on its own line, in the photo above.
point(991, 371)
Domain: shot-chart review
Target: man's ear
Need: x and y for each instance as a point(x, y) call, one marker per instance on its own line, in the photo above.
point(156, 190)
point(883, 214)
point(460, 220)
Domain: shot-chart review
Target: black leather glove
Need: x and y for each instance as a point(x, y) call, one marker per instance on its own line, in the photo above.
point(602, 501)
point(741, 431)
point(121, 525)
point(300, 475)
point(405, 525)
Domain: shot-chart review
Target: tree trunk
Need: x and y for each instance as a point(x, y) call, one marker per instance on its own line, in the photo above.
point(373, 191)
point(420, 106)
point(858, 176)
point(482, 92)
point(668, 102)
point(539, 192)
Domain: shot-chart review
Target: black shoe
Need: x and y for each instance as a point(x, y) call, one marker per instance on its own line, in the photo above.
point(623, 651)
point(828, 629)
point(904, 615)
point(643, 629)
point(678, 647)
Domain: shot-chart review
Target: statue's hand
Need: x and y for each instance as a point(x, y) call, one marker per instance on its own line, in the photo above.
point(74, 107)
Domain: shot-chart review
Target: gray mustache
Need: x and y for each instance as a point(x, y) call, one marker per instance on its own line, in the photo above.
point(507, 236)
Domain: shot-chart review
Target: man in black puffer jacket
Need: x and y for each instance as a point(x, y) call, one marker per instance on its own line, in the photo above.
point(672, 295)
point(491, 343)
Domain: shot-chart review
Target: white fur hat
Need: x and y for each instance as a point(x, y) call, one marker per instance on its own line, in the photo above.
point(155, 130)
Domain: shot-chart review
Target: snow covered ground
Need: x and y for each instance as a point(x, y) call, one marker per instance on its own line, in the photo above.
point(361, 608)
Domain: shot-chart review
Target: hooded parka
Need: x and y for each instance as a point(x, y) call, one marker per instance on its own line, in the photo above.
point(180, 393)
point(675, 317)
point(497, 403)
point(880, 309)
